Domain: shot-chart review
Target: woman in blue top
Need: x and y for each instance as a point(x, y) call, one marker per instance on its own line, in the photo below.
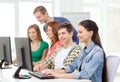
point(91, 63)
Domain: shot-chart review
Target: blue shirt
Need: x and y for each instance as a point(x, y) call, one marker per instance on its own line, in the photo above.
point(62, 20)
point(89, 64)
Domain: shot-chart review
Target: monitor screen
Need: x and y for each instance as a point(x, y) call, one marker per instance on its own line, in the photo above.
point(5, 52)
point(23, 53)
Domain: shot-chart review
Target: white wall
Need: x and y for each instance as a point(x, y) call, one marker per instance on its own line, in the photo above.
point(71, 6)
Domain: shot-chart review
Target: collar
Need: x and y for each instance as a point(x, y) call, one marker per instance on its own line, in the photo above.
point(89, 48)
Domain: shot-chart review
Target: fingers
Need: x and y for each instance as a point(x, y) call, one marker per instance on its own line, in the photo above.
point(36, 68)
point(39, 67)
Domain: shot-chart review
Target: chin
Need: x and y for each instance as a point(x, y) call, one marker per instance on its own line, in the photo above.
point(81, 41)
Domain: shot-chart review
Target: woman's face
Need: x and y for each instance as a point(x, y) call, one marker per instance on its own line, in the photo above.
point(32, 34)
point(64, 35)
point(49, 32)
point(83, 34)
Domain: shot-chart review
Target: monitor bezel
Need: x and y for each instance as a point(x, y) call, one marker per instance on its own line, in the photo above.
point(5, 52)
point(23, 42)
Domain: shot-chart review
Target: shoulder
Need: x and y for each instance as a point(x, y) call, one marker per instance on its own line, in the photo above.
point(78, 47)
point(97, 51)
point(44, 43)
point(59, 43)
point(97, 48)
point(58, 48)
point(61, 19)
point(76, 50)
point(93, 48)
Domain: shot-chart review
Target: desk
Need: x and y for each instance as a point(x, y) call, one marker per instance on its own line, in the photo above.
point(6, 75)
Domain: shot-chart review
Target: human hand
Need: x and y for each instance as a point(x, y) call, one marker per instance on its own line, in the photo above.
point(52, 73)
point(59, 70)
point(39, 67)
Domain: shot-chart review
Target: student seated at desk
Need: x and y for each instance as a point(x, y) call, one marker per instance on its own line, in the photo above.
point(65, 54)
point(38, 46)
point(91, 63)
point(51, 31)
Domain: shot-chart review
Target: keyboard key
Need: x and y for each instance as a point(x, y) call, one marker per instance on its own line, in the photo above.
point(40, 75)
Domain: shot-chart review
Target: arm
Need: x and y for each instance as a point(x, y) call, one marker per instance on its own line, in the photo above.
point(44, 65)
point(44, 55)
point(59, 73)
point(38, 65)
point(44, 48)
point(91, 66)
point(74, 64)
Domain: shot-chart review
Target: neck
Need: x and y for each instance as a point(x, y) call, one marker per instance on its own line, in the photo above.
point(68, 44)
point(49, 19)
point(87, 43)
point(34, 41)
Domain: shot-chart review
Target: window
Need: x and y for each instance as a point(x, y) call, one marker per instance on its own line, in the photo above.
point(7, 19)
point(17, 15)
point(106, 14)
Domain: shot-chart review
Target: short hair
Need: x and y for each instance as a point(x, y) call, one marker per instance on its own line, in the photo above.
point(41, 9)
point(66, 25)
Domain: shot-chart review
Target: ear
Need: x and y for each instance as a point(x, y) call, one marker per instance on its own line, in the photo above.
point(91, 33)
point(46, 14)
point(71, 33)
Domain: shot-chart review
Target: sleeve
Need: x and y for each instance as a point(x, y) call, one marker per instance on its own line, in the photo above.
point(72, 66)
point(49, 62)
point(72, 55)
point(45, 45)
point(91, 67)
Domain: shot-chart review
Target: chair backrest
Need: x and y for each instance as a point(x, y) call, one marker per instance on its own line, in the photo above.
point(112, 65)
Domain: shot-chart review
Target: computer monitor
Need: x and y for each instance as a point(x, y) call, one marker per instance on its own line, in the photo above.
point(5, 52)
point(23, 53)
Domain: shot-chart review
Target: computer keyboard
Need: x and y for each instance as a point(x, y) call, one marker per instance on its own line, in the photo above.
point(40, 75)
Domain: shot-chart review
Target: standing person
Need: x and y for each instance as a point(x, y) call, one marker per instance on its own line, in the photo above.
point(42, 16)
point(91, 63)
point(51, 31)
point(38, 46)
point(63, 55)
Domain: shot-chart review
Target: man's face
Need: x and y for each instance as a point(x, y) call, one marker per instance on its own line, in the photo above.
point(64, 35)
point(40, 17)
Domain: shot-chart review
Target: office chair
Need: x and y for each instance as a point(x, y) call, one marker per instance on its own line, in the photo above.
point(112, 65)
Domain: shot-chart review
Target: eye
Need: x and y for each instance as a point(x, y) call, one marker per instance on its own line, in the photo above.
point(79, 31)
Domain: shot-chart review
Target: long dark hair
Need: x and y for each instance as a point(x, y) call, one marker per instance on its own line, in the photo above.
point(92, 26)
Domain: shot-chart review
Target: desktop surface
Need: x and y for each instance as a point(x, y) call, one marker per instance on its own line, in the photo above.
point(6, 75)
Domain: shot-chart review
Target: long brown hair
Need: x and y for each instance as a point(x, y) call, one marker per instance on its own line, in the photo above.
point(54, 27)
point(92, 26)
point(36, 27)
